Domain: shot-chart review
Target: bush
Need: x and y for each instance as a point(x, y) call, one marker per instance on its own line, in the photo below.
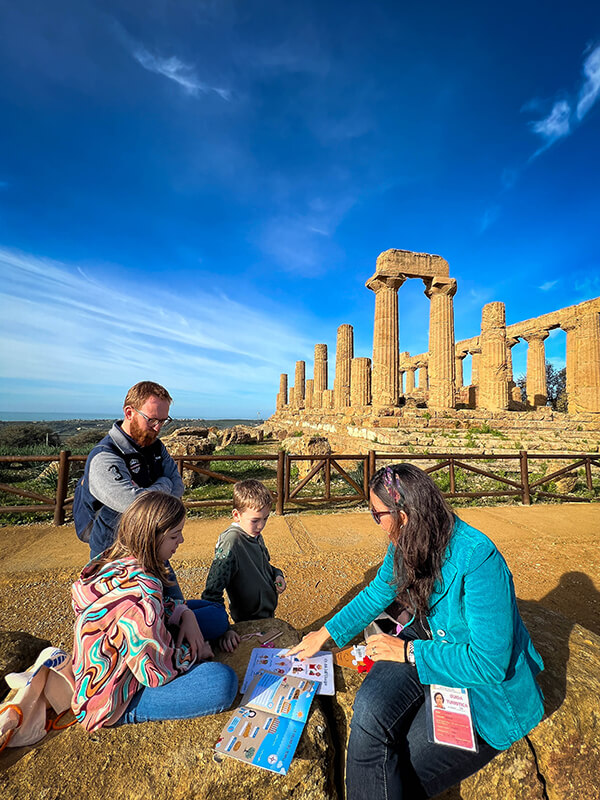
point(85, 439)
point(28, 435)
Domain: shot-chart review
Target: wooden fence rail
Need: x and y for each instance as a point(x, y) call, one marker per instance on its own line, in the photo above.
point(321, 468)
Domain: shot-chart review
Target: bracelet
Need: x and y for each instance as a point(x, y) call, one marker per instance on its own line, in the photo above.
point(409, 655)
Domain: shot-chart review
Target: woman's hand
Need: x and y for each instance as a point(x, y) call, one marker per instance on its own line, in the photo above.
point(280, 584)
point(229, 641)
point(383, 647)
point(189, 631)
point(310, 644)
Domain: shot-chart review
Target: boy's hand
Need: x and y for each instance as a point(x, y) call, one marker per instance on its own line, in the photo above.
point(229, 641)
point(280, 584)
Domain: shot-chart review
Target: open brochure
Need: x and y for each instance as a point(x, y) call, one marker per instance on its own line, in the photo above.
point(266, 728)
point(318, 668)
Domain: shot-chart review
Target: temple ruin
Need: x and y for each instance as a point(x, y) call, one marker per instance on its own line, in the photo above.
point(394, 385)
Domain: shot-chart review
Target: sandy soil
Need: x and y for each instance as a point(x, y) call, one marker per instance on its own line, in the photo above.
point(552, 550)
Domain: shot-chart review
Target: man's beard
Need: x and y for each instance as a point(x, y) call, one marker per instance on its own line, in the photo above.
point(141, 436)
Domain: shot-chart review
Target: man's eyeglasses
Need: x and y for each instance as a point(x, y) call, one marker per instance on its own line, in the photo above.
point(377, 515)
point(154, 422)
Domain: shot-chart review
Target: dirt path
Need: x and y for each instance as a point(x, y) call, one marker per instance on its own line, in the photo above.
point(553, 552)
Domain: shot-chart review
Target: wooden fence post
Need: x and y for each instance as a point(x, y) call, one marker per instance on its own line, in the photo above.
point(371, 463)
point(280, 482)
point(526, 496)
point(61, 487)
point(366, 477)
point(588, 474)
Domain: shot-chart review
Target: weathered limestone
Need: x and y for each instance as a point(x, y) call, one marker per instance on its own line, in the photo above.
point(536, 368)
point(360, 382)
point(308, 400)
point(282, 397)
point(292, 399)
point(320, 374)
point(385, 339)
point(570, 327)
point(458, 368)
point(327, 398)
point(299, 386)
point(493, 368)
point(588, 363)
point(422, 367)
point(410, 379)
point(192, 442)
point(440, 291)
point(343, 357)
point(475, 356)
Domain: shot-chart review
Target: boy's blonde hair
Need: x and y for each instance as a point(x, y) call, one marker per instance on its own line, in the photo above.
point(251, 494)
point(141, 531)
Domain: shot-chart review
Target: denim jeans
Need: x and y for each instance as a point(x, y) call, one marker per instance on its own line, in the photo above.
point(389, 757)
point(207, 688)
point(212, 618)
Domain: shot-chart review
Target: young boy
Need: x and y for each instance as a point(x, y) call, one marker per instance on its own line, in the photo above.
point(241, 565)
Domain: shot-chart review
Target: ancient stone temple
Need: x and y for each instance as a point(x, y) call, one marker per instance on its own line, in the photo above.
point(389, 387)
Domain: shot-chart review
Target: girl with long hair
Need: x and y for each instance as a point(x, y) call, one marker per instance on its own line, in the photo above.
point(137, 654)
point(454, 594)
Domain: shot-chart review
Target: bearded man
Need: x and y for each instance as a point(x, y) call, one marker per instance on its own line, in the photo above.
point(128, 461)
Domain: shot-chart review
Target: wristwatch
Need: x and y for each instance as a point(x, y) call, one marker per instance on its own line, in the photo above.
point(410, 653)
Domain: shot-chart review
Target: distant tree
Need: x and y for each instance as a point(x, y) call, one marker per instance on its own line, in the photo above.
point(556, 387)
point(85, 439)
point(27, 435)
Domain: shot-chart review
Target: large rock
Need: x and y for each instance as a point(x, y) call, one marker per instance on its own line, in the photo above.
point(192, 442)
point(560, 759)
point(169, 760)
point(18, 651)
point(241, 434)
point(308, 446)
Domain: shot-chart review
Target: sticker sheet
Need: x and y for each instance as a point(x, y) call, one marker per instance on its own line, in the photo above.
point(319, 668)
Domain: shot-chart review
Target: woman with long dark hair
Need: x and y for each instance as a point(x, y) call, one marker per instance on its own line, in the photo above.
point(454, 593)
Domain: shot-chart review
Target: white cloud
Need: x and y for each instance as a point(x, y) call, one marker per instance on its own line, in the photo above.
point(561, 121)
point(589, 92)
point(60, 326)
point(490, 215)
point(545, 287)
point(174, 69)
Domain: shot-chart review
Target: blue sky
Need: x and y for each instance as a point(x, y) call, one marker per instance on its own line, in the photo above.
point(196, 192)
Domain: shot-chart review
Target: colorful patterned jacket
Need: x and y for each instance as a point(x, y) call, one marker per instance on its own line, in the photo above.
point(121, 639)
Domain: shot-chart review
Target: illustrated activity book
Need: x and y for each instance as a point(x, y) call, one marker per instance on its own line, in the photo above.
point(318, 668)
point(266, 728)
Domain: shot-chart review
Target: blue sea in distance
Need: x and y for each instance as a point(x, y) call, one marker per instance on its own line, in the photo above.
point(47, 416)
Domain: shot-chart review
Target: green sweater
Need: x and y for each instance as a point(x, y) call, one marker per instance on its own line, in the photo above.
point(242, 568)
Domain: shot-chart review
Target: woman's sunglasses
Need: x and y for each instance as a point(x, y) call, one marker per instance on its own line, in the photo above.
point(377, 515)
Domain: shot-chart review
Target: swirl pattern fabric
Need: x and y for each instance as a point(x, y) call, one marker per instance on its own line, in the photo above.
point(121, 640)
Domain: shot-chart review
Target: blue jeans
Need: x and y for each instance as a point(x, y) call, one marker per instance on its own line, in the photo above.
point(389, 757)
point(212, 618)
point(207, 688)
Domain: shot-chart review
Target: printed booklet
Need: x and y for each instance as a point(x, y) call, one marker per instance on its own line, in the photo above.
point(318, 668)
point(266, 728)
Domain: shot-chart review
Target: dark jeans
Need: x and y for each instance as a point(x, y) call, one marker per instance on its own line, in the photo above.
point(389, 757)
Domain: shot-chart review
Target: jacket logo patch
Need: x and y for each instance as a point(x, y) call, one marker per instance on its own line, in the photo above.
point(135, 465)
point(116, 472)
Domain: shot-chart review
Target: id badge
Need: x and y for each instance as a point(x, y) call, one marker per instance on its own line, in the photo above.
point(449, 720)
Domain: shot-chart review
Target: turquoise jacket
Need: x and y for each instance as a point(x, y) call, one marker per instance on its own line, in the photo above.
point(478, 640)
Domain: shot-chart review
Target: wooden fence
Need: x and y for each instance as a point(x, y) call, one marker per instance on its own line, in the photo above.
point(322, 468)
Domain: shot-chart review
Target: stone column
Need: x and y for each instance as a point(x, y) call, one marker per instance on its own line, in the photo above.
point(308, 399)
point(458, 368)
point(570, 328)
point(493, 372)
point(327, 398)
point(344, 354)
point(475, 355)
point(282, 397)
point(422, 377)
point(360, 382)
point(385, 339)
point(299, 383)
point(410, 379)
point(514, 393)
point(320, 374)
point(536, 369)
point(401, 382)
point(440, 291)
point(292, 400)
point(587, 396)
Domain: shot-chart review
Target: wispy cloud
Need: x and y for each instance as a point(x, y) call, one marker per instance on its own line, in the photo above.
point(176, 70)
point(545, 287)
point(490, 215)
point(562, 118)
point(82, 329)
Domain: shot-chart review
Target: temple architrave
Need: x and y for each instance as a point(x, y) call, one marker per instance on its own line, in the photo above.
point(393, 386)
